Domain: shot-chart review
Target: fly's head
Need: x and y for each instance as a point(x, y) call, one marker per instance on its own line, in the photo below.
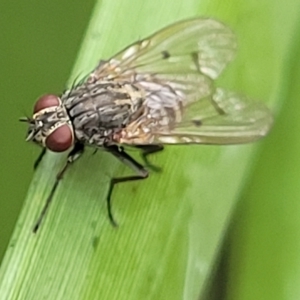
point(50, 125)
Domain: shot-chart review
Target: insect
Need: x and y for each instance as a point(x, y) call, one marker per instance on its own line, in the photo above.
point(157, 91)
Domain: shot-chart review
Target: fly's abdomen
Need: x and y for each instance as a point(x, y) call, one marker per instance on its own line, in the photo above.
point(99, 110)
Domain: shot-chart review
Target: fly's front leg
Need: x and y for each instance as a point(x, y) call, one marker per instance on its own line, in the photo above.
point(142, 173)
point(73, 155)
point(39, 159)
point(150, 149)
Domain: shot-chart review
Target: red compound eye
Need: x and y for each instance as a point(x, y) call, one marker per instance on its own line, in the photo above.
point(61, 139)
point(45, 102)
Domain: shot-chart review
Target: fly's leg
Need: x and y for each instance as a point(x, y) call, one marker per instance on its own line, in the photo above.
point(142, 173)
point(39, 159)
point(73, 155)
point(147, 150)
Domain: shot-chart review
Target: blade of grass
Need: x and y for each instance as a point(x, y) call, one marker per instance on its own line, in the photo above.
point(171, 225)
point(263, 260)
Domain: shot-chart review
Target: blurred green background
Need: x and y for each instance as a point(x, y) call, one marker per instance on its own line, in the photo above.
point(38, 45)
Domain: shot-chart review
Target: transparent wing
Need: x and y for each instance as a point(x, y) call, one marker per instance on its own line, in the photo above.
point(224, 118)
point(176, 68)
point(199, 45)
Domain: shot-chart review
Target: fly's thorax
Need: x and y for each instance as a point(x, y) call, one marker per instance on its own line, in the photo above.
point(101, 109)
point(50, 125)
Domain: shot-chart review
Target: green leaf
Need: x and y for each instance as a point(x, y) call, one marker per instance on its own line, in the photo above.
point(171, 225)
point(263, 257)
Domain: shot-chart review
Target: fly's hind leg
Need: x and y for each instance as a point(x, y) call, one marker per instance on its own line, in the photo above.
point(147, 150)
point(142, 173)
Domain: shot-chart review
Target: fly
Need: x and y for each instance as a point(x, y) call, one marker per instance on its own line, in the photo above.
point(158, 91)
